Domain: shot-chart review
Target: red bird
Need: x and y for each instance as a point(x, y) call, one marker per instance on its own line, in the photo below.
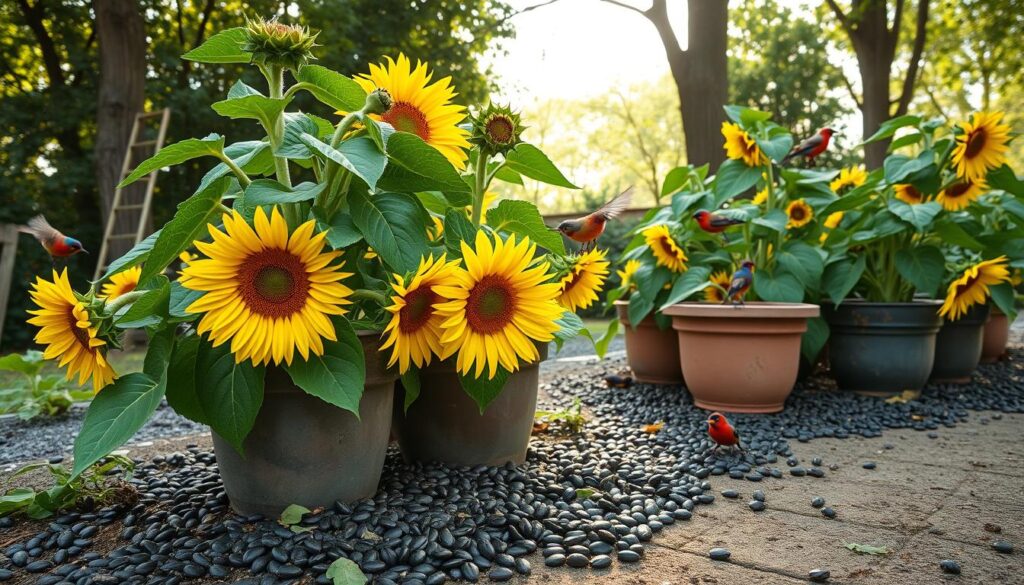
point(587, 229)
point(713, 223)
point(740, 283)
point(812, 147)
point(57, 244)
point(722, 433)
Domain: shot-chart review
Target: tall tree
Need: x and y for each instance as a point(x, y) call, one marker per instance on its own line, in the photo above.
point(875, 41)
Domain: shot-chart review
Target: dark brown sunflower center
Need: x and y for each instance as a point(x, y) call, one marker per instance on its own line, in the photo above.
point(572, 282)
point(273, 283)
point(418, 309)
point(911, 192)
point(666, 247)
point(406, 117)
point(966, 286)
point(798, 213)
point(975, 143)
point(957, 190)
point(81, 335)
point(490, 305)
point(500, 130)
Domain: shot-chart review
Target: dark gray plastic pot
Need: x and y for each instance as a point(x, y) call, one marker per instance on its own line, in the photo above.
point(445, 424)
point(958, 347)
point(305, 451)
point(882, 348)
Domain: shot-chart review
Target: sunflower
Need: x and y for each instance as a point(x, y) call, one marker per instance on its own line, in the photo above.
point(122, 282)
point(712, 293)
point(67, 331)
point(268, 292)
point(760, 197)
point(415, 328)
point(627, 273)
point(500, 304)
point(740, 146)
point(833, 220)
point(959, 195)
point(800, 214)
point(972, 286)
point(585, 279)
point(420, 107)
point(666, 251)
point(849, 177)
point(982, 145)
point(908, 193)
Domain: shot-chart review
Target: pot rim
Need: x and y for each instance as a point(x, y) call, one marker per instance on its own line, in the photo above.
point(753, 309)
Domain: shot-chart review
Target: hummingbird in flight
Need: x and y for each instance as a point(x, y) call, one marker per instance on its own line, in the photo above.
point(57, 245)
point(588, 228)
point(812, 147)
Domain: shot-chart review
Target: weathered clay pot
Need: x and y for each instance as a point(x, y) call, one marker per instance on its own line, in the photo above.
point(882, 348)
point(958, 347)
point(743, 358)
point(305, 451)
point(652, 353)
point(445, 424)
point(996, 336)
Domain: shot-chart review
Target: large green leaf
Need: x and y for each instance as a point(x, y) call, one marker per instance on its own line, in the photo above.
point(1005, 179)
point(341, 231)
point(1004, 298)
point(735, 177)
point(601, 344)
point(182, 394)
point(651, 279)
point(230, 393)
point(270, 192)
point(333, 89)
point(177, 153)
point(457, 229)
point(114, 415)
point(690, 283)
point(851, 200)
point(223, 47)
point(414, 166)
point(337, 376)
point(951, 233)
point(149, 309)
point(522, 218)
point(920, 216)
point(674, 180)
point(900, 168)
point(814, 339)
point(774, 220)
point(748, 117)
point(777, 144)
point(180, 300)
point(158, 353)
point(889, 127)
point(254, 107)
point(358, 155)
point(802, 261)
point(483, 390)
point(528, 160)
point(395, 225)
point(922, 266)
point(782, 287)
point(241, 89)
point(295, 125)
point(252, 156)
point(188, 224)
point(15, 362)
point(137, 255)
point(639, 307)
point(840, 277)
point(569, 325)
point(411, 385)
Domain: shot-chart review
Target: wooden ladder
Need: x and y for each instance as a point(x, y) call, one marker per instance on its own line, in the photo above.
point(129, 213)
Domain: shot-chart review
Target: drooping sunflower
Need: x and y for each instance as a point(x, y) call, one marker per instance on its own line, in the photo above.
point(420, 107)
point(666, 251)
point(585, 279)
point(501, 303)
point(959, 195)
point(908, 193)
point(851, 177)
point(972, 286)
point(68, 333)
point(122, 282)
point(712, 293)
point(267, 291)
point(627, 273)
point(740, 146)
point(760, 197)
point(800, 214)
point(982, 146)
point(414, 330)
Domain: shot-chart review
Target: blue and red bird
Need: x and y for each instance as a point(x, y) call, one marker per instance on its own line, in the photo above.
point(740, 283)
point(56, 243)
point(812, 147)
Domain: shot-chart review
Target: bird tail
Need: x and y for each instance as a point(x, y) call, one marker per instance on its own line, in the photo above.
point(38, 228)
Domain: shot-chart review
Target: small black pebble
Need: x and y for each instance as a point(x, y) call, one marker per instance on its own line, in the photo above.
point(500, 574)
point(950, 566)
point(818, 502)
point(869, 465)
point(759, 496)
point(934, 435)
point(1003, 547)
point(719, 554)
point(819, 575)
point(828, 513)
point(628, 556)
point(756, 505)
point(816, 461)
point(731, 494)
point(601, 562)
point(577, 561)
point(555, 560)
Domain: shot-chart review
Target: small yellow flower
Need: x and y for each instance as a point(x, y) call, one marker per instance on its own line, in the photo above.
point(908, 193)
point(666, 251)
point(740, 146)
point(760, 197)
point(627, 273)
point(122, 282)
point(800, 214)
point(959, 195)
point(712, 293)
point(852, 177)
point(580, 286)
point(972, 287)
point(982, 146)
point(833, 220)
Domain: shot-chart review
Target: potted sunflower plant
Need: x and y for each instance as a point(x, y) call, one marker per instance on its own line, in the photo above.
point(271, 331)
point(901, 239)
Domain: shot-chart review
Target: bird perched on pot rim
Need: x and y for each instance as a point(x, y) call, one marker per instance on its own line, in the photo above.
point(812, 147)
point(722, 433)
point(57, 244)
point(740, 283)
point(588, 228)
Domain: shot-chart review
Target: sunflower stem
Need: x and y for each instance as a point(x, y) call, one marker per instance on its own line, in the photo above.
point(243, 179)
point(115, 305)
point(362, 294)
point(332, 199)
point(275, 83)
point(479, 186)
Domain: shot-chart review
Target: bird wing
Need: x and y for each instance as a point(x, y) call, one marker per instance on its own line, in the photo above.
point(41, 229)
point(739, 281)
point(617, 205)
point(805, 146)
point(723, 221)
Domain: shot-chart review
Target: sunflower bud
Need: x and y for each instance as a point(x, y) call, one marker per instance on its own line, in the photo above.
point(378, 101)
point(497, 129)
point(274, 43)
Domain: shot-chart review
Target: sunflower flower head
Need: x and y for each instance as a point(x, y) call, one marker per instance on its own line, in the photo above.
point(414, 331)
point(67, 331)
point(419, 106)
point(960, 194)
point(713, 293)
point(122, 282)
point(500, 305)
point(267, 291)
point(583, 280)
point(666, 251)
point(981, 145)
point(628, 273)
point(849, 178)
point(800, 214)
point(741, 146)
point(497, 129)
point(908, 193)
point(760, 197)
point(273, 43)
point(972, 287)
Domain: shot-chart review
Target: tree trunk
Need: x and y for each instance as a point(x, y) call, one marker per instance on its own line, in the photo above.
point(704, 90)
point(875, 68)
point(122, 51)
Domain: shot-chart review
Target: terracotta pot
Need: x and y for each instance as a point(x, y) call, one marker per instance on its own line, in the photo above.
point(742, 358)
point(445, 424)
point(652, 353)
point(996, 336)
point(882, 348)
point(958, 347)
point(305, 451)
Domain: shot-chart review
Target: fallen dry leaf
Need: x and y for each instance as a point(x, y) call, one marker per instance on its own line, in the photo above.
point(653, 428)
